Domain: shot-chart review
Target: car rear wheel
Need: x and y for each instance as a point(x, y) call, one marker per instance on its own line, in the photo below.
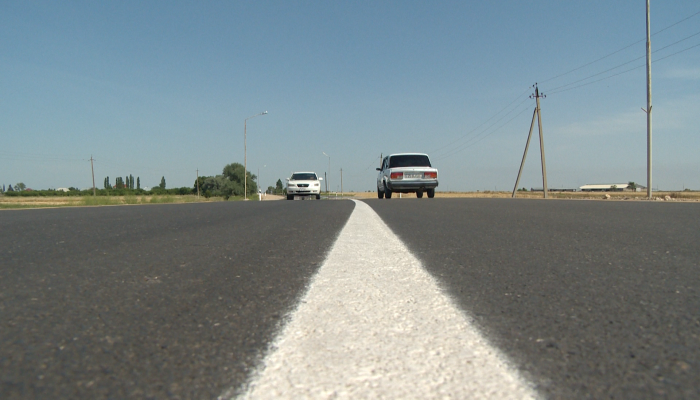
point(290, 197)
point(431, 193)
point(419, 194)
point(318, 197)
point(387, 192)
point(380, 194)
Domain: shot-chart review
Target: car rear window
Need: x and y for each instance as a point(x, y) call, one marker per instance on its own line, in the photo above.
point(304, 177)
point(409, 160)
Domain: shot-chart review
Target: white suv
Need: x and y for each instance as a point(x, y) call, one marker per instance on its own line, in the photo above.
point(406, 173)
point(304, 184)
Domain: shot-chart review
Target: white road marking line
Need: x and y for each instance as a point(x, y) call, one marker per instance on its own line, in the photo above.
point(374, 324)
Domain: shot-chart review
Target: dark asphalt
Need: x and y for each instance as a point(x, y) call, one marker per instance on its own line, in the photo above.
point(591, 299)
point(153, 301)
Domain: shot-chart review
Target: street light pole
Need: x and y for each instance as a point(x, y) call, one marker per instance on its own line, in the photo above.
point(329, 170)
point(245, 155)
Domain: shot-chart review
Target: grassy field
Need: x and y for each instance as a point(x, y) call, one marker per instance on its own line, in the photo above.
point(76, 201)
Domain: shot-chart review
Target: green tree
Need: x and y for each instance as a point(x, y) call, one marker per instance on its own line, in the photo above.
point(201, 181)
point(632, 186)
point(20, 186)
point(162, 183)
point(218, 186)
point(279, 188)
point(138, 183)
point(235, 173)
point(131, 181)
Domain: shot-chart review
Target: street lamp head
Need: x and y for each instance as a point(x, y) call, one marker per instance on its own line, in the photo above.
point(253, 116)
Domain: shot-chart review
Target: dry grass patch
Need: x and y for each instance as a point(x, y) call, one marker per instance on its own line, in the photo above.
point(7, 202)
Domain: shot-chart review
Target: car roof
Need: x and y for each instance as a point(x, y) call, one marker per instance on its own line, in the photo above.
point(407, 154)
point(304, 172)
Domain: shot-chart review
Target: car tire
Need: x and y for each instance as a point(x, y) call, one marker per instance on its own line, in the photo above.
point(431, 193)
point(290, 197)
point(387, 192)
point(419, 194)
point(318, 197)
point(380, 194)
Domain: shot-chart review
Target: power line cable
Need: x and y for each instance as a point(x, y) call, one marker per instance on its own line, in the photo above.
point(487, 120)
point(620, 73)
point(479, 138)
point(554, 90)
point(617, 51)
point(485, 133)
point(450, 151)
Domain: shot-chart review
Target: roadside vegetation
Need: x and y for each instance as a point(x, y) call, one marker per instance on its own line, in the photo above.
point(82, 201)
point(229, 186)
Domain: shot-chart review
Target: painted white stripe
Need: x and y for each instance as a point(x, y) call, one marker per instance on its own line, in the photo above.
point(374, 324)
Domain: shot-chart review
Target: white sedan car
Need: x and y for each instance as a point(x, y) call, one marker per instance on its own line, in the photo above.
point(406, 173)
point(304, 184)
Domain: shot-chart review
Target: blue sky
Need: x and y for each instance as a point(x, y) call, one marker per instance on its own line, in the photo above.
point(162, 88)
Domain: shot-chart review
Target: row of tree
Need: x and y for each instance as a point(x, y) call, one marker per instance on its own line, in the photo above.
point(127, 183)
point(18, 187)
point(229, 184)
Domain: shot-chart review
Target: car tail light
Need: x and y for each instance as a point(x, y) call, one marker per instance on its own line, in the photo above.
point(397, 175)
point(430, 175)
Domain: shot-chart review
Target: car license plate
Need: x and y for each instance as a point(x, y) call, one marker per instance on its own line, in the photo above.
point(412, 175)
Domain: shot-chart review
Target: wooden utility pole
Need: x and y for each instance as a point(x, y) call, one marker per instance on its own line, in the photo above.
point(92, 167)
point(537, 113)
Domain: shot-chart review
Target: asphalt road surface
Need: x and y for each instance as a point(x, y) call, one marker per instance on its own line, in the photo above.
point(166, 301)
point(591, 299)
point(586, 299)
